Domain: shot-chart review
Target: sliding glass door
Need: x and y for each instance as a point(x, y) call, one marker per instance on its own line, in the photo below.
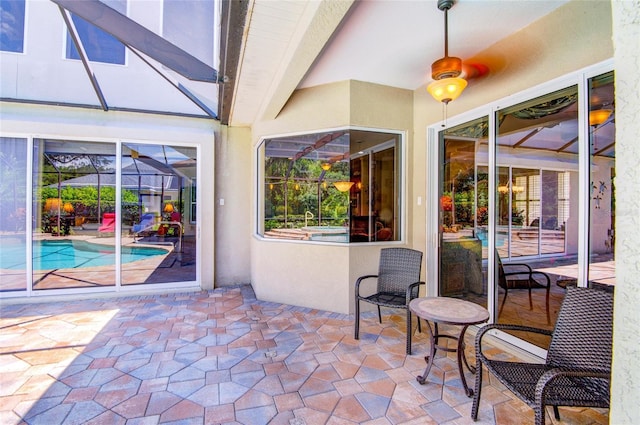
point(526, 203)
point(537, 214)
point(74, 213)
point(103, 214)
point(158, 192)
point(602, 177)
point(463, 208)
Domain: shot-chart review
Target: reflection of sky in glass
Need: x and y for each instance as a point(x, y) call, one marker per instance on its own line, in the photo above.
point(189, 25)
point(12, 26)
point(99, 45)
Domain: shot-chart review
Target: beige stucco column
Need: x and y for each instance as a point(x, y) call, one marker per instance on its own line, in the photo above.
point(625, 388)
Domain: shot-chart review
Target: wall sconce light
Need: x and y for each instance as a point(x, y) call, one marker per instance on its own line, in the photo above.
point(68, 208)
point(343, 186)
point(325, 166)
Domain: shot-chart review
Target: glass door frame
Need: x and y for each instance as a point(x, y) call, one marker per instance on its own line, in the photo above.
point(579, 78)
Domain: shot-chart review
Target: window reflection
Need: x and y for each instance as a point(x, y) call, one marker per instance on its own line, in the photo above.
point(339, 186)
point(74, 214)
point(160, 214)
point(13, 214)
point(602, 194)
point(537, 214)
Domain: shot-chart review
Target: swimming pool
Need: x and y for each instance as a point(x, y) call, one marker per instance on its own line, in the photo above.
point(68, 254)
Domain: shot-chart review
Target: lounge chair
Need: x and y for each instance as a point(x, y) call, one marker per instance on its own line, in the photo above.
point(108, 223)
point(147, 221)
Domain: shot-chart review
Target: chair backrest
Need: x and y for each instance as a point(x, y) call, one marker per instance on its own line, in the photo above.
point(398, 268)
point(147, 218)
point(583, 333)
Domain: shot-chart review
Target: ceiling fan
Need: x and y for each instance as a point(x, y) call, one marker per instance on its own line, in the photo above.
point(450, 75)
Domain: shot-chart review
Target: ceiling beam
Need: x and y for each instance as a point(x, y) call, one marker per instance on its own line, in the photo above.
point(233, 17)
point(319, 24)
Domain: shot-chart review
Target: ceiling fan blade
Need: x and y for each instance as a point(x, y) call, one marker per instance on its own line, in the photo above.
point(471, 70)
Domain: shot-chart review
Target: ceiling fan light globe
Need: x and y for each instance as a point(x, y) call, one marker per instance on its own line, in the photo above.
point(447, 89)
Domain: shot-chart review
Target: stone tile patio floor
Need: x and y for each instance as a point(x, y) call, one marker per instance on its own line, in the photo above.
point(222, 357)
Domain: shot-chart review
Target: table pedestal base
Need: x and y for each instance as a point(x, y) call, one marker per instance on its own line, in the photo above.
point(433, 338)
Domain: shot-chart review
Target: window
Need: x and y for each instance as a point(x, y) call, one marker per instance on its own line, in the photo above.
point(12, 28)
point(338, 186)
point(98, 44)
point(189, 25)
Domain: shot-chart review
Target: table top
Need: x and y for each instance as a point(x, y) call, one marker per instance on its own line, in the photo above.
point(452, 311)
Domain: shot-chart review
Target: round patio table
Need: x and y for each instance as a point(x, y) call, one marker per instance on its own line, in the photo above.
point(449, 311)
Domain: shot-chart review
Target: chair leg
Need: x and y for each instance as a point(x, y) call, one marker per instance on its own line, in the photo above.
point(530, 300)
point(356, 333)
point(409, 331)
point(476, 392)
point(379, 315)
point(556, 413)
point(548, 315)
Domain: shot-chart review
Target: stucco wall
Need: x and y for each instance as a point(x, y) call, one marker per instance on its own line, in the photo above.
point(233, 205)
point(626, 343)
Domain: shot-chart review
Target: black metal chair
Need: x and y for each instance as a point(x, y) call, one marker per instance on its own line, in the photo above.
point(522, 276)
point(398, 282)
point(577, 371)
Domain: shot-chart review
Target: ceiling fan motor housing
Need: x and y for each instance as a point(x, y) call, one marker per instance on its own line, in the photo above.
point(446, 67)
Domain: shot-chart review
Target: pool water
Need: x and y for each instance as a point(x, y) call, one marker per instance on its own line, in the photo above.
point(68, 254)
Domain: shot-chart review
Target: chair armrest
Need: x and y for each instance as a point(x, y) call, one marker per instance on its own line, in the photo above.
point(505, 327)
point(410, 289)
point(549, 376)
point(529, 271)
point(543, 274)
point(360, 279)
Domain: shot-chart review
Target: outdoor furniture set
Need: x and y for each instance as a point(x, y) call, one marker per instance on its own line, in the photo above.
point(577, 369)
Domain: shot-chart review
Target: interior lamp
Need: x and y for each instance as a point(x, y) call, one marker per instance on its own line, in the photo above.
point(325, 166)
point(343, 186)
point(447, 84)
point(168, 208)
